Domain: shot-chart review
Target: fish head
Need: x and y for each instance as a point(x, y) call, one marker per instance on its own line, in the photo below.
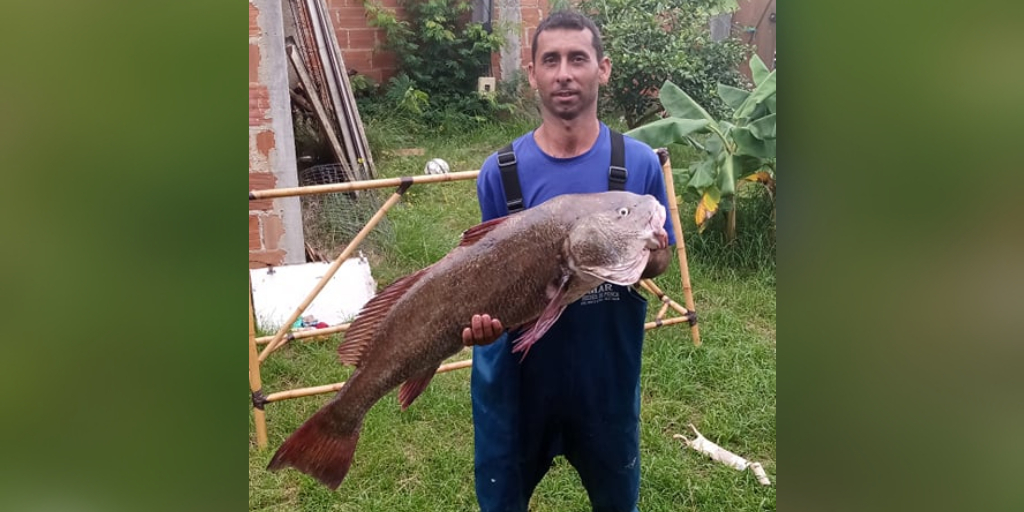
point(614, 234)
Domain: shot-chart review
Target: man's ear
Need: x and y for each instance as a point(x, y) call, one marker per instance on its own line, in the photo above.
point(529, 74)
point(605, 69)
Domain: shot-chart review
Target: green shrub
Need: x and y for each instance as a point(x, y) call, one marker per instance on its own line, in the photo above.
point(651, 41)
point(440, 54)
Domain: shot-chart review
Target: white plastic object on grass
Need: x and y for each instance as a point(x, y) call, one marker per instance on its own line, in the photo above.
point(703, 445)
point(436, 166)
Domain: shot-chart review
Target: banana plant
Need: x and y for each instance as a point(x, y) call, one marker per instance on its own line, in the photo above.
point(740, 148)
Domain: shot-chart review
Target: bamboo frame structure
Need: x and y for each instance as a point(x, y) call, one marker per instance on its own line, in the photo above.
point(282, 336)
point(255, 383)
point(677, 228)
point(279, 338)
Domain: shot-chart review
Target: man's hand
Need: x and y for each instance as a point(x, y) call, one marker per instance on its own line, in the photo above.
point(483, 330)
point(657, 263)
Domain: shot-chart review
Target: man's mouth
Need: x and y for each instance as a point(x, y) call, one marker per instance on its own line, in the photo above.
point(565, 94)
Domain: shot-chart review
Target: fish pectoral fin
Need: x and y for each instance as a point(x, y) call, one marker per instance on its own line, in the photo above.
point(361, 332)
point(547, 318)
point(625, 274)
point(413, 387)
point(475, 233)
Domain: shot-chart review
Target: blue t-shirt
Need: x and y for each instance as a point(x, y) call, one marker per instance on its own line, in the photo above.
point(542, 176)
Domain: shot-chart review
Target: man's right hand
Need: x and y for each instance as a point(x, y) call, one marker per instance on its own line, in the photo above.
point(483, 330)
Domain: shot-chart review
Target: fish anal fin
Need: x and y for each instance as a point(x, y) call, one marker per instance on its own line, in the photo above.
point(475, 233)
point(413, 387)
point(547, 318)
point(361, 332)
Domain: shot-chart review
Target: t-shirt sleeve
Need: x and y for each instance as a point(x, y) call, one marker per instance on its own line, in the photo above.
point(656, 187)
point(489, 191)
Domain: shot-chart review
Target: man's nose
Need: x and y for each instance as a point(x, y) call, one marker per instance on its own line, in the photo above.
point(563, 74)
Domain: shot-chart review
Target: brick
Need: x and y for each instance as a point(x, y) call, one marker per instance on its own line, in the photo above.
point(254, 233)
point(261, 181)
point(531, 17)
point(351, 16)
point(383, 60)
point(265, 142)
point(360, 60)
point(362, 38)
point(262, 259)
point(254, 26)
point(259, 105)
point(273, 230)
point(254, 63)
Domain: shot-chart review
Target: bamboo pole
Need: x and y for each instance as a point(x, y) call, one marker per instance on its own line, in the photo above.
point(649, 285)
point(325, 38)
point(255, 383)
point(311, 333)
point(279, 338)
point(274, 193)
point(321, 113)
point(661, 312)
point(677, 228)
point(329, 388)
point(677, 320)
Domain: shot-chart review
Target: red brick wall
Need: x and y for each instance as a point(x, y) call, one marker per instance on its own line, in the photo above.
point(359, 41)
point(532, 12)
point(265, 226)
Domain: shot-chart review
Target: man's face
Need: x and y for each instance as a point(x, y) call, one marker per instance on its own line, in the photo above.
point(567, 72)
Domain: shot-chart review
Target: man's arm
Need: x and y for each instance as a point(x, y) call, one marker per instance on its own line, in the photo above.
point(657, 262)
point(483, 329)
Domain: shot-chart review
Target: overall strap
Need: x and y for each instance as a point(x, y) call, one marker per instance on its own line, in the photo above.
point(617, 170)
point(510, 179)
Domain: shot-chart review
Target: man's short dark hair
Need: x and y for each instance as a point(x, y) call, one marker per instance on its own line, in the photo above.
point(571, 20)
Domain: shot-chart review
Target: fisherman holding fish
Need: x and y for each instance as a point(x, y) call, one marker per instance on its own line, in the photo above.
point(573, 216)
point(578, 392)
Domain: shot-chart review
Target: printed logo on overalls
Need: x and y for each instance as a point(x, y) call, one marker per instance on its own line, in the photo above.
point(604, 291)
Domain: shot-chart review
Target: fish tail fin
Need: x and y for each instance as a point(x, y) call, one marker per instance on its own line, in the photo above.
point(319, 450)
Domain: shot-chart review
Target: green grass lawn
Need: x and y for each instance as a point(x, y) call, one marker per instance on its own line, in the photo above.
point(422, 459)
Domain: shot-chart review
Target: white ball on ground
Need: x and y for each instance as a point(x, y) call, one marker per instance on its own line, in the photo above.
point(436, 166)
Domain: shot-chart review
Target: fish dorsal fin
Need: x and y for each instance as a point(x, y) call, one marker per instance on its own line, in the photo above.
point(475, 233)
point(360, 333)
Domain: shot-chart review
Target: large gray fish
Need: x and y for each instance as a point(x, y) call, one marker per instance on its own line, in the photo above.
point(523, 269)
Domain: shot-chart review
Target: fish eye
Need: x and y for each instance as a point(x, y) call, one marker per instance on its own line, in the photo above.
point(623, 212)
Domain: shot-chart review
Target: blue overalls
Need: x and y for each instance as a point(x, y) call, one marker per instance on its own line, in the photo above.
point(567, 397)
point(577, 394)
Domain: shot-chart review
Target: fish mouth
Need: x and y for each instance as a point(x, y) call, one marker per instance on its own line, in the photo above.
point(656, 223)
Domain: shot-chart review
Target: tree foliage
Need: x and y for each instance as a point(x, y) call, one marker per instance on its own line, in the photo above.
point(740, 146)
point(653, 41)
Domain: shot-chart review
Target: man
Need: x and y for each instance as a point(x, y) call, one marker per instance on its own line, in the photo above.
point(578, 391)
